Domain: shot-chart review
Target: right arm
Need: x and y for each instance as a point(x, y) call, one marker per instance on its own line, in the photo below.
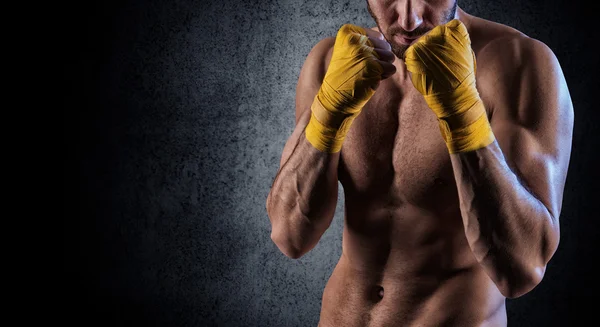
point(303, 197)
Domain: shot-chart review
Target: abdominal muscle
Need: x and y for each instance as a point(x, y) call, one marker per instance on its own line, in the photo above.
point(405, 266)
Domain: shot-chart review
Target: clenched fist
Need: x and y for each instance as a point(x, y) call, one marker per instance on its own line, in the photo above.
point(442, 66)
point(361, 59)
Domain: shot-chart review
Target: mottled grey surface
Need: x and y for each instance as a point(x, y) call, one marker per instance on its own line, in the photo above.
point(182, 110)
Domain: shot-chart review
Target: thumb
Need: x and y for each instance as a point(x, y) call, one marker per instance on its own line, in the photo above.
point(413, 61)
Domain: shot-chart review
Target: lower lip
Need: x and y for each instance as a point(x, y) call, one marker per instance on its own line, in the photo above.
point(405, 41)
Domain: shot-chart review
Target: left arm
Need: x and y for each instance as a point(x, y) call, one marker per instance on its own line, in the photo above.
point(511, 190)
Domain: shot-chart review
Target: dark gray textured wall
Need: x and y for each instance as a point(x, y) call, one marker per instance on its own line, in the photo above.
point(180, 111)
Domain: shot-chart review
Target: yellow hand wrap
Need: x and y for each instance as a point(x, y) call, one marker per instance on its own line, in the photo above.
point(443, 69)
point(348, 84)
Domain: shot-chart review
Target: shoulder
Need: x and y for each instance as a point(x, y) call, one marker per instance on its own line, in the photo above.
point(506, 50)
point(320, 54)
point(514, 59)
point(316, 62)
point(511, 65)
point(312, 73)
point(516, 53)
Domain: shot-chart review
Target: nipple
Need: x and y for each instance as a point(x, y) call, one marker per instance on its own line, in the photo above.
point(380, 293)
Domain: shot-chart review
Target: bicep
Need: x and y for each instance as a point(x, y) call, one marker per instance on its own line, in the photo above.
point(309, 82)
point(311, 75)
point(534, 128)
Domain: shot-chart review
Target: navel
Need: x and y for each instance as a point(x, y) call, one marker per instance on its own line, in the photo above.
point(380, 292)
point(439, 181)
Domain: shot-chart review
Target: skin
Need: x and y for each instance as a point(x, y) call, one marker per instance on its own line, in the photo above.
point(431, 238)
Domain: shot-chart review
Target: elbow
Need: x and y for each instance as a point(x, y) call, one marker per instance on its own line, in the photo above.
point(291, 230)
point(279, 237)
point(521, 283)
point(285, 246)
point(289, 239)
point(282, 239)
point(526, 274)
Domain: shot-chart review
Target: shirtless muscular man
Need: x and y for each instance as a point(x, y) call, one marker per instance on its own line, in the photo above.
point(451, 136)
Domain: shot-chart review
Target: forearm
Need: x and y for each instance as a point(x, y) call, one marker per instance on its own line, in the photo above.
point(302, 200)
point(303, 197)
point(511, 233)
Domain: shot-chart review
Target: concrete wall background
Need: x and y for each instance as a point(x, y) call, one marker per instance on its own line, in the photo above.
point(178, 114)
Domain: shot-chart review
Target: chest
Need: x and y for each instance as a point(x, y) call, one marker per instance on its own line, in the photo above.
point(395, 149)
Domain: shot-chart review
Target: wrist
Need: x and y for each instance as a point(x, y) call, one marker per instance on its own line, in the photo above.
point(468, 130)
point(327, 129)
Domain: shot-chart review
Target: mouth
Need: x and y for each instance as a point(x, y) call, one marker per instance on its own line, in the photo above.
point(405, 40)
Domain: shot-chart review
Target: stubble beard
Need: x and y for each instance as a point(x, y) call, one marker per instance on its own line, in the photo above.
point(400, 49)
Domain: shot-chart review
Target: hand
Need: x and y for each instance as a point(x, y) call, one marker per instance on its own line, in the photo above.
point(361, 59)
point(442, 66)
point(442, 61)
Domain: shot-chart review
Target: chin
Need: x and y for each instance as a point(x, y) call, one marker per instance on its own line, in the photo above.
point(399, 51)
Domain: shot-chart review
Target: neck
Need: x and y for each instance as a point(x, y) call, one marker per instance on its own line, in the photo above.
point(463, 17)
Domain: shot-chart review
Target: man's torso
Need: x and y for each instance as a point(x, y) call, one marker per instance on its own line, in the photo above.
point(403, 233)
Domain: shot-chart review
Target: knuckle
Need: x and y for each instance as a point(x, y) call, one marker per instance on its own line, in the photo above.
point(345, 27)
